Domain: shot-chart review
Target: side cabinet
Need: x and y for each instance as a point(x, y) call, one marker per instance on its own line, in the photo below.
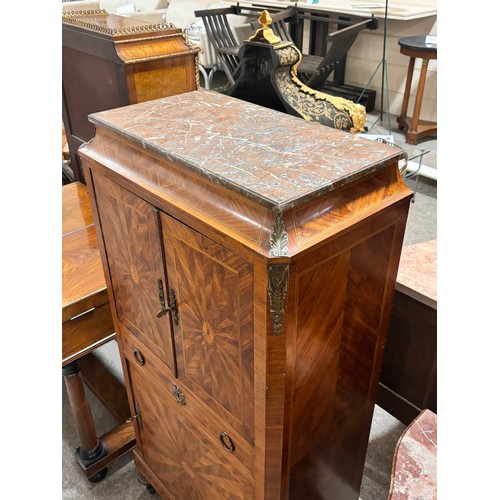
point(251, 279)
point(184, 308)
point(110, 61)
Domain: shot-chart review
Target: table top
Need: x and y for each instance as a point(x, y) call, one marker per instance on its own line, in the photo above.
point(275, 159)
point(83, 282)
point(417, 274)
point(426, 43)
point(401, 12)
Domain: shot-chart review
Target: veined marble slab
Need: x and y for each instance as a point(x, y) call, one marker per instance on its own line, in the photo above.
point(271, 157)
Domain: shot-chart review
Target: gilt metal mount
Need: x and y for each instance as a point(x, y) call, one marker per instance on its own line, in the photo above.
point(277, 288)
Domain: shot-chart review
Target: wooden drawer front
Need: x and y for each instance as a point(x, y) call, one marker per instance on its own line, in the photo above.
point(133, 248)
point(214, 336)
point(83, 332)
point(183, 451)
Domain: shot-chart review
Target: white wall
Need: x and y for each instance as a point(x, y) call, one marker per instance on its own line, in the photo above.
point(367, 52)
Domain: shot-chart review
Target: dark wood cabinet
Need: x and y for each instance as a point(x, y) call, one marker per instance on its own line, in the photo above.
point(251, 258)
point(110, 61)
point(408, 380)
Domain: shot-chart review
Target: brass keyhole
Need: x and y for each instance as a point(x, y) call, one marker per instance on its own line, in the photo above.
point(226, 442)
point(139, 358)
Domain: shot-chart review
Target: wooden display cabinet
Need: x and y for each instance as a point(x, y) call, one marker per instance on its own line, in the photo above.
point(110, 61)
point(251, 258)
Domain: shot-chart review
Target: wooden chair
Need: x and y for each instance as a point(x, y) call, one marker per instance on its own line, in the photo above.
point(221, 35)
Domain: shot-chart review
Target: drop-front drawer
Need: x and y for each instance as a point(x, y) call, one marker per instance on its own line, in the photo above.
point(179, 437)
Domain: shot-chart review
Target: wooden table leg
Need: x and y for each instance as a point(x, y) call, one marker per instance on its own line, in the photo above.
point(413, 131)
point(91, 449)
point(406, 97)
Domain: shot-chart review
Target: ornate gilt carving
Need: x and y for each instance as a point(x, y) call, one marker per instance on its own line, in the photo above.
point(178, 395)
point(88, 12)
point(278, 240)
point(265, 34)
point(277, 288)
point(356, 112)
point(200, 50)
point(74, 17)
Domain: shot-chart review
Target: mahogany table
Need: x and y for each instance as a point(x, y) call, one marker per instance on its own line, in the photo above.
point(86, 325)
point(424, 48)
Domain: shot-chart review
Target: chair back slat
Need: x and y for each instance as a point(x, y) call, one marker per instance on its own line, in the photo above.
point(221, 36)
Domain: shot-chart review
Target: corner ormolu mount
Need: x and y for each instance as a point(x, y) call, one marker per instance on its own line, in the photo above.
point(277, 288)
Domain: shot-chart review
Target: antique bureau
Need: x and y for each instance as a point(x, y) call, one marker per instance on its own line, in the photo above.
point(110, 61)
point(251, 258)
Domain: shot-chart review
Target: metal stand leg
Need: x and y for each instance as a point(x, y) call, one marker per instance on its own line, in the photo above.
point(208, 78)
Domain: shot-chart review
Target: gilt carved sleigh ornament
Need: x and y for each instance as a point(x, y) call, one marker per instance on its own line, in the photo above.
point(268, 77)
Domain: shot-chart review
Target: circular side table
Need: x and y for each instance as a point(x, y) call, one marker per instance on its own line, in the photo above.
point(416, 47)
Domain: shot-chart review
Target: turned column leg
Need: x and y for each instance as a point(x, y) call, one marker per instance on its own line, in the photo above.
point(91, 449)
point(406, 97)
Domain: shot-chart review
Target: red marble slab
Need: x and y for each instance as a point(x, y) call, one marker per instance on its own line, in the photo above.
point(417, 273)
point(235, 143)
point(414, 467)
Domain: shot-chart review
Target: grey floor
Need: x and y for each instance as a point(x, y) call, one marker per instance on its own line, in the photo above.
point(121, 482)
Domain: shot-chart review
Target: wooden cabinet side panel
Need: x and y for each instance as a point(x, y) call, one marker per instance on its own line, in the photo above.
point(130, 235)
point(214, 338)
point(90, 84)
point(342, 292)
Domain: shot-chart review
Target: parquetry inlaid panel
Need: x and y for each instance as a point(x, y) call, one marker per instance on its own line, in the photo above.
point(338, 332)
point(133, 248)
point(214, 340)
point(188, 467)
point(320, 315)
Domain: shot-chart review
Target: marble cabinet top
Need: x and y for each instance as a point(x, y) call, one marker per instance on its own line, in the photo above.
point(276, 159)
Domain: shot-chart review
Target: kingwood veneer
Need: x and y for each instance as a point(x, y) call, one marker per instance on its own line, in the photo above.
point(251, 258)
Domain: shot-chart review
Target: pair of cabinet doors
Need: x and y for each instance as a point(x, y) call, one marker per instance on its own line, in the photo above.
point(184, 307)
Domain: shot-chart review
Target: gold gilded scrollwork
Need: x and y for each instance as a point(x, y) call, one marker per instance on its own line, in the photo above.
point(311, 103)
point(265, 34)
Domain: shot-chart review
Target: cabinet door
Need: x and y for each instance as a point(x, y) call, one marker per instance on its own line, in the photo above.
point(214, 335)
point(130, 229)
point(170, 442)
